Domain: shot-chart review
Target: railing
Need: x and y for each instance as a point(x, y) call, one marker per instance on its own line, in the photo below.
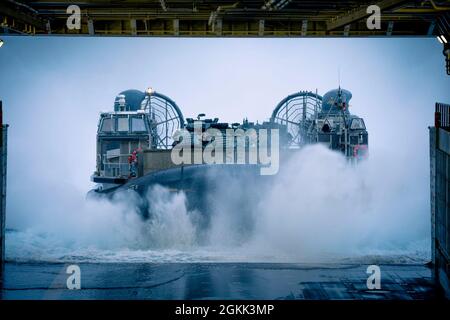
point(118, 168)
point(442, 116)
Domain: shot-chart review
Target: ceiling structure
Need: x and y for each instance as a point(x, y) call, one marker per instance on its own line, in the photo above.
point(246, 18)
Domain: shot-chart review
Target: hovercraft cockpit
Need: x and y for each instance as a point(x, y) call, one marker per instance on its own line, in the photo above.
point(140, 121)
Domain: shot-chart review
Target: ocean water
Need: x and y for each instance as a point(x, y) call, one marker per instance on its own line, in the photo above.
point(319, 209)
point(29, 247)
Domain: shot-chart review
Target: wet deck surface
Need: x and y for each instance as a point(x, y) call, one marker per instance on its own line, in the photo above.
point(216, 281)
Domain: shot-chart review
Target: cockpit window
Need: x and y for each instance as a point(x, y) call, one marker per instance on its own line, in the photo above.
point(137, 124)
point(107, 125)
point(122, 124)
point(357, 123)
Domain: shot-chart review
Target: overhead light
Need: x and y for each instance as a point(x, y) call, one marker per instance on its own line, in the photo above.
point(439, 39)
point(1, 43)
point(443, 39)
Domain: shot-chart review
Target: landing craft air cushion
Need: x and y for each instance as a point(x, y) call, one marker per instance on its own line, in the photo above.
point(151, 126)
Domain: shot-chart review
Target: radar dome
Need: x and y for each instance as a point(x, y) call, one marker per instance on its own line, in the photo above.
point(330, 100)
point(129, 100)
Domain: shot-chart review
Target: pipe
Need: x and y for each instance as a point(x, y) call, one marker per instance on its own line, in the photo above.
point(231, 6)
point(416, 10)
point(424, 10)
point(437, 8)
point(24, 6)
point(268, 4)
point(213, 16)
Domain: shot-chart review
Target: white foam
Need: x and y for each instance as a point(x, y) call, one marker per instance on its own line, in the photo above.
point(319, 208)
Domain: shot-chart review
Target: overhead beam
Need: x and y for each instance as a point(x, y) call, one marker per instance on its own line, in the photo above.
point(176, 27)
point(359, 14)
point(9, 10)
point(163, 5)
point(390, 28)
point(261, 28)
point(91, 29)
point(133, 26)
point(304, 27)
point(431, 28)
point(346, 30)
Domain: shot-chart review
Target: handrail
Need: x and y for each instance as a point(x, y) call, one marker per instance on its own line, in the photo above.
point(123, 167)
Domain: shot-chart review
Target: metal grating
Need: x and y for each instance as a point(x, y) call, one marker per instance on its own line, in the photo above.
point(442, 116)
